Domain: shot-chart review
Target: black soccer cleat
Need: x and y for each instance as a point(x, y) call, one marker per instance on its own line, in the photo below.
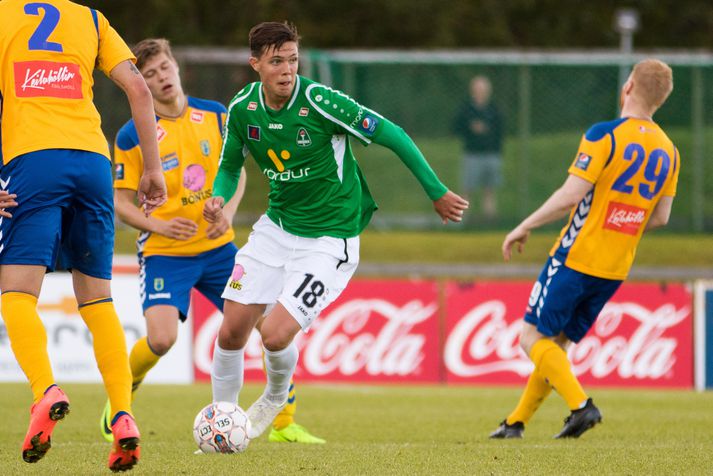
point(515, 430)
point(580, 421)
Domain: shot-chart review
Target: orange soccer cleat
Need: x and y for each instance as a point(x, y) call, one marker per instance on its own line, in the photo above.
point(125, 450)
point(44, 415)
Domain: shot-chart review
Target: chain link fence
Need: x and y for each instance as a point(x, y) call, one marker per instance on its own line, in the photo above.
point(547, 101)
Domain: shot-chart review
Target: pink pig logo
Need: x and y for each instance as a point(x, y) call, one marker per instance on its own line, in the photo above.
point(238, 272)
point(194, 177)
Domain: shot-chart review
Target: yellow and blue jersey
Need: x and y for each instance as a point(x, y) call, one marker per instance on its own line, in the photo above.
point(189, 147)
point(48, 51)
point(631, 163)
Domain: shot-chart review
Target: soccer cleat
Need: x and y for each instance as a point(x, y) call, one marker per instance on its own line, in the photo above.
point(125, 450)
point(105, 423)
point(261, 414)
point(44, 415)
point(580, 421)
point(294, 433)
point(515, 430)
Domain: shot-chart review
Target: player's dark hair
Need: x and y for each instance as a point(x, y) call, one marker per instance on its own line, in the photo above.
point(146, 49)
point(269, 35)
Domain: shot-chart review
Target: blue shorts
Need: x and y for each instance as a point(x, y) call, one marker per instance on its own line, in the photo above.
point(565, 300)
point(65, 211)
point(168, 280)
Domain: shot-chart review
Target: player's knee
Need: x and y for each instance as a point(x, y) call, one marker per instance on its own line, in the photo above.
point(232, 338)
point(275, 341)
point(160, 345)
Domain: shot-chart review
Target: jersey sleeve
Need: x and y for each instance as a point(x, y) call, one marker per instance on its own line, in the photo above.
point(594, 152)
point(345, 113)
point(128, 161)
point(232, 158)
point(672, 183)
point(112, 49)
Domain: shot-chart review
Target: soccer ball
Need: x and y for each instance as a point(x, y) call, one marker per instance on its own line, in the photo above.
point(221, 427)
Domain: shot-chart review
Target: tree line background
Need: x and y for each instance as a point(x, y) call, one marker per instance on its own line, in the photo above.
point(416, 23)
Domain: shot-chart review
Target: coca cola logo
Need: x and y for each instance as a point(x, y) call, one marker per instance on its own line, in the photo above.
point(47, 79)
point(483, 343)
point(624, 218)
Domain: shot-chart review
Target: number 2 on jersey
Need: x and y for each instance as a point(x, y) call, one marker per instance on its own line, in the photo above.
point(38, 40)
point(652, 173)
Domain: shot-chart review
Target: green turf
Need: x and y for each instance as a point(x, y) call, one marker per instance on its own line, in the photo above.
point(385, 430)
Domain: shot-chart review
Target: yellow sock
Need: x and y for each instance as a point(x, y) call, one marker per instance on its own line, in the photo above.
point(287, 416)
point(109, 351)
point(142, 359)
point(28, 340)
point(552, 363)
point(536, 390)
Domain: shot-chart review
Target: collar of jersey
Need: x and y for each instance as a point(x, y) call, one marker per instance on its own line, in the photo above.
point(295, 92)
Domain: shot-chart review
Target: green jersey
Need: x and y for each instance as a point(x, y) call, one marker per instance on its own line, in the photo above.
point(316, 186)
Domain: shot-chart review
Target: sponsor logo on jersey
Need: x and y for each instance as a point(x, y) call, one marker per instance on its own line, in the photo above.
point(304, 112)
point(284, 155)
point(275, 126)
point(205, 147)
point(583, 161)
point(287, 175)
point(624, 218)
point(194, 177)
point(197, 116)
point(159, 296)
point(196, 197)
point(160, 133)
point(252, 106)
point(48, 79)
point(119, 171)
point(158, 284)
point(303, 138)
point(170, 164)
point(368, 124)
point(253, 132)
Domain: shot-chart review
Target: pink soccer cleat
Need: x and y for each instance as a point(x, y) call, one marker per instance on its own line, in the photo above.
point(125, 450)
point(44, 415)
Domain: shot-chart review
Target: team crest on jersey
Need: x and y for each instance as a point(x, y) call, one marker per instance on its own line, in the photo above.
point(197, 116)
point(368, 124)
point(158, 284)
point(303, 138)
point(252, 106)
point(119, 171)
point(160, 133)
point(304, 112)
point(205, 147)
point(583, 161)
point(253, 132)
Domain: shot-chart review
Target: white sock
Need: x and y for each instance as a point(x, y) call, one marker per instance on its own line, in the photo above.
point(280, 366)
point(226, 375)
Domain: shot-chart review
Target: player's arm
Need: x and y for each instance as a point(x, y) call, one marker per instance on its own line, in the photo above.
point(661, 213)
point(152, 188)
point(226, 182)
point(447, 204)
point(557, 206)
point(220, 226)
point(177, 228)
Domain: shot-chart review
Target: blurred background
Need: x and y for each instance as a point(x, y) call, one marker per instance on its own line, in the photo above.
point(413, 62)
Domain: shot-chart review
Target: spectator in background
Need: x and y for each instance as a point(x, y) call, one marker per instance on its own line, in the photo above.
point(479, 125)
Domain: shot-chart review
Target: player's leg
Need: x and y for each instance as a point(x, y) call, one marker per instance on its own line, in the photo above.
point(29, 244)
point(87, 249)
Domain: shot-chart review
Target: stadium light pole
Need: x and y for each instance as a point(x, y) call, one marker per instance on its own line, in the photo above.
point(626, 23)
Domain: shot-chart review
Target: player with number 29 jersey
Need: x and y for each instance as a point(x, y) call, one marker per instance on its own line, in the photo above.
point(632, 164)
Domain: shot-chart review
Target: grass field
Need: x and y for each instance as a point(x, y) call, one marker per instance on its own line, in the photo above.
point(389, 430)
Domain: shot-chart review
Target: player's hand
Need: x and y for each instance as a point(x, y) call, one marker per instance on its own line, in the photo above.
point(178, 228)
point(218, 227)
point(152, 191)
point(450, 207)
point(213, 209)
point(7, 200)
point(516, 237)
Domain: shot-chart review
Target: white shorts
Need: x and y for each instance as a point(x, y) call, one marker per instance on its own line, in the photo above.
point(303, 274)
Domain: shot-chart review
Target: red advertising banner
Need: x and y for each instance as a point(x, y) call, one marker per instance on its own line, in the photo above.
point(406, 331)
point(643, 336)
point(377, 331)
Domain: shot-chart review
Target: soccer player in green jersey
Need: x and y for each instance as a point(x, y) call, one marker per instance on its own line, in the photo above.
point(303, 251)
